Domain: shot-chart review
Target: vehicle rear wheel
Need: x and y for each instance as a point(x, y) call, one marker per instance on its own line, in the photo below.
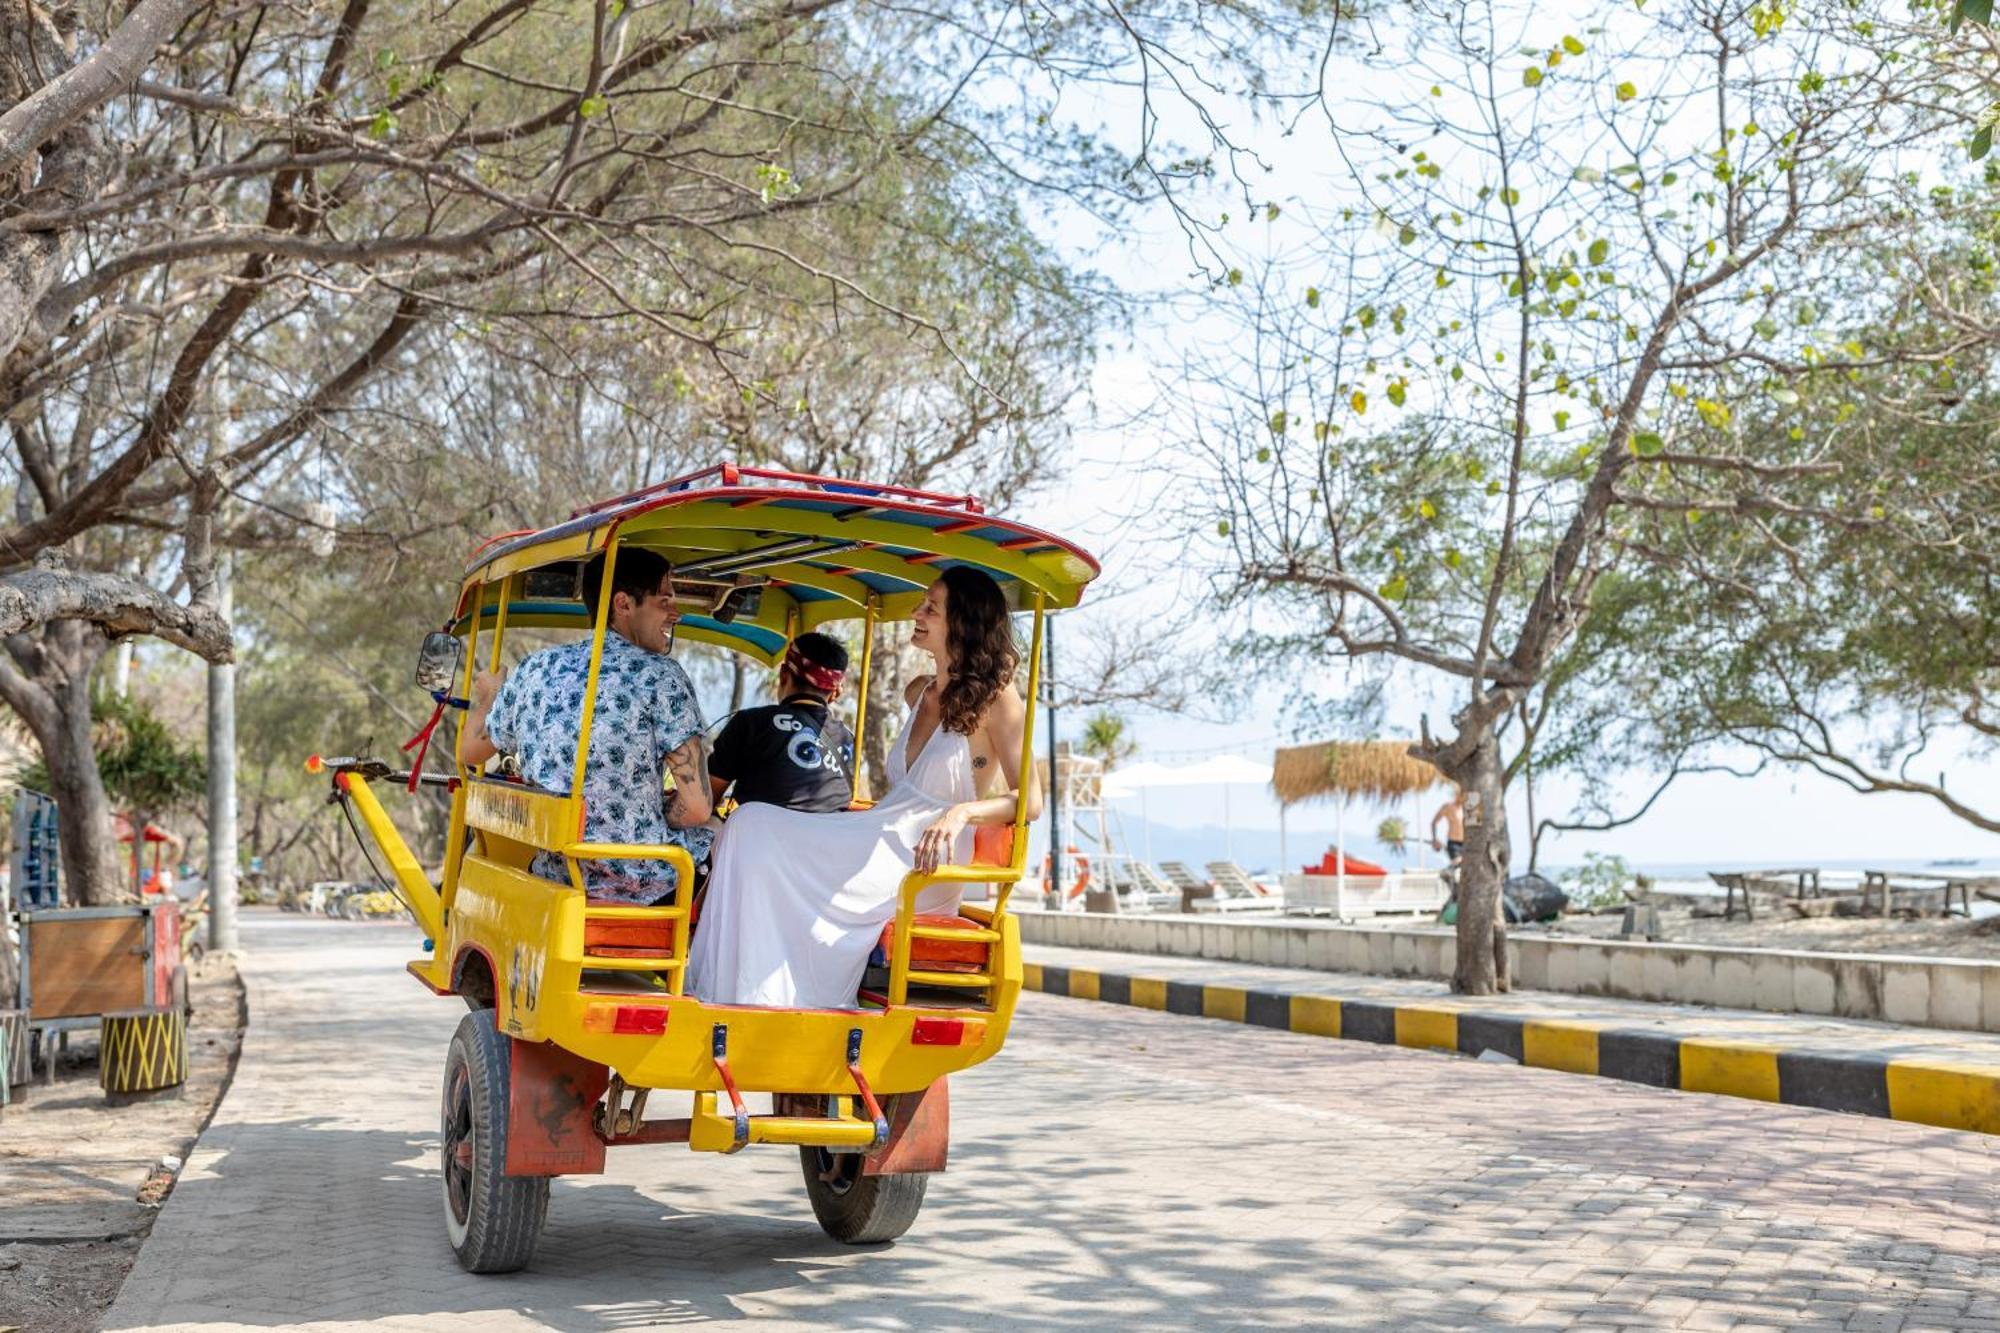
point(858, 1209)
point(493, 1219)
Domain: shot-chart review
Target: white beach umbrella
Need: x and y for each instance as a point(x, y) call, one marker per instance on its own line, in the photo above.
point(1222, 770)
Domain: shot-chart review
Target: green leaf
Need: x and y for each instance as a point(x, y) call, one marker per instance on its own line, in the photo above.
point(1398, 391)
point(1452, 559)
point(1426, 510)
point(1406, 235)
point(591, 107)
point(1600, 250)
point(1625, 92)
point(1562, 421)
point(1647, 444)
point(1573, 46)
point(1396, 589)
point(1532, 75)
point(1366, 316)
point(1786, 397)
point(1979, 11)
point(1270, 212)
point(1588, 175)
point(1235, 277)
point(1312, 297)
point(1222, 528)
point(1982, 143)
point(382, 125)
point(1264, 454)
point(1279, 420)
point(1510, 197)
point(1766, 327)
point(1359, 402)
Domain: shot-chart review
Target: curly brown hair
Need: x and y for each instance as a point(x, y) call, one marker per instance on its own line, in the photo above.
point(980, 644)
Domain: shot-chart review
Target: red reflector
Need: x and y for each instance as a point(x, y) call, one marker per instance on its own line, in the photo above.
point(938, 1032)
point(643, 1020)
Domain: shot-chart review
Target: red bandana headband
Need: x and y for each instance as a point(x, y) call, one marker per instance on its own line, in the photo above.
point(812, 673)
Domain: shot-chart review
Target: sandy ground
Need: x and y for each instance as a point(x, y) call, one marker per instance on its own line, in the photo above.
point(75, 1169)
point(1777, 928)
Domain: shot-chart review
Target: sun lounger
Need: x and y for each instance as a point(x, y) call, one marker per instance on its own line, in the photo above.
point(1150, 889)
point(1235, 881)
point(1191, 887)
point(1235, 891)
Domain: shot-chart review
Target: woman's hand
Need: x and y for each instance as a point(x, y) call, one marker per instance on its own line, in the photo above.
point(936, 843)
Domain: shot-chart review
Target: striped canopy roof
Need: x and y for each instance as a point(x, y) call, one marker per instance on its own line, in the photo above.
point(800, 550)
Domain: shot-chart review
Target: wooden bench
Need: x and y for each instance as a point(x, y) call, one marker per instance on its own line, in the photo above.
point(1884, 882)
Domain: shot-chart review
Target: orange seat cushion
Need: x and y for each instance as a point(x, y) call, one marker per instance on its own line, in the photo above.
point(992, 844)
point(626, 939)
point(940, 955)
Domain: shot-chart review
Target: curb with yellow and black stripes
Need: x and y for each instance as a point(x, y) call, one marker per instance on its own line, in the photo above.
point(1930, 1092)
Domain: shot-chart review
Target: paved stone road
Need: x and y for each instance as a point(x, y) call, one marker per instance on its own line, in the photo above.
point(1113, 1168)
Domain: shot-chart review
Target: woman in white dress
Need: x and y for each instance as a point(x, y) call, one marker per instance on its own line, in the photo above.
point(795, 900)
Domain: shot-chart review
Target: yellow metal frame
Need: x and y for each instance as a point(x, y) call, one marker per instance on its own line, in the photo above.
point(532, 934)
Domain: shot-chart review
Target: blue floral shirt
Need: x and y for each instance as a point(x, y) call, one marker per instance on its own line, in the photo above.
point(646, 710)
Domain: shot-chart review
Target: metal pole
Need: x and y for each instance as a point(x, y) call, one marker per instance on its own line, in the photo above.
point(222, 780)
point(1284, 848)
point(1055, 779)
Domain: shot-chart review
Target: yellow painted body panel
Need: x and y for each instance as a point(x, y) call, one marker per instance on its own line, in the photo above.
point(532, 930)
point(523, 814)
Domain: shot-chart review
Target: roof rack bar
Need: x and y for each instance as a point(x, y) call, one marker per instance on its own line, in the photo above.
point(732, 474)
point(740, 562)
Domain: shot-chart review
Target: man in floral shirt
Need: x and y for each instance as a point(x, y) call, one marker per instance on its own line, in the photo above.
point(646, 723)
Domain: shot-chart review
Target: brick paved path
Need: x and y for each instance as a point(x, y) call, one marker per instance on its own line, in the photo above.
point(1113, 1168)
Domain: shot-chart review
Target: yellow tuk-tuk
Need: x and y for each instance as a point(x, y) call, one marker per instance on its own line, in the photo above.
point(578, 1011)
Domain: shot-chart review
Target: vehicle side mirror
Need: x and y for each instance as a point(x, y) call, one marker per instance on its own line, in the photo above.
point(439, 662)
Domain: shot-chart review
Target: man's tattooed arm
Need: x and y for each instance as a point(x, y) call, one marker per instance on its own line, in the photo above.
point(689, 804)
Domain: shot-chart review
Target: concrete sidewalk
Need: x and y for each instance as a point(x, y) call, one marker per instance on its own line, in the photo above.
point(1934, 1077)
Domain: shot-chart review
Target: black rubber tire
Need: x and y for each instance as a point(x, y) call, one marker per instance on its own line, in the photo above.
point(857, 1209)
point(491, 1218)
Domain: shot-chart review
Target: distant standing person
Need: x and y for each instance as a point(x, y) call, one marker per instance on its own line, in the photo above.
point(793, 753)
point(1452, 815)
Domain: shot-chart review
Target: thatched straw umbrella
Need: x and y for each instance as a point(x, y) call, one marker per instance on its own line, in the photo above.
point(1380, 771)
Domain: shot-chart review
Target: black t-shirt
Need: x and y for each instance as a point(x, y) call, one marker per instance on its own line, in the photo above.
point(791, 754)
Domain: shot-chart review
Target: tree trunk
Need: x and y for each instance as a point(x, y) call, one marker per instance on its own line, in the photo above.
point(1482, 869)
point(92, 872)
point(140, 820)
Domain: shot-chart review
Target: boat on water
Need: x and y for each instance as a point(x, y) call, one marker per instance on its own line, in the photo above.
point(1955, 861)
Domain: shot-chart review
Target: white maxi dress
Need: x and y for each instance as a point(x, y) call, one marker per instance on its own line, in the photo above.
point(796, 901)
